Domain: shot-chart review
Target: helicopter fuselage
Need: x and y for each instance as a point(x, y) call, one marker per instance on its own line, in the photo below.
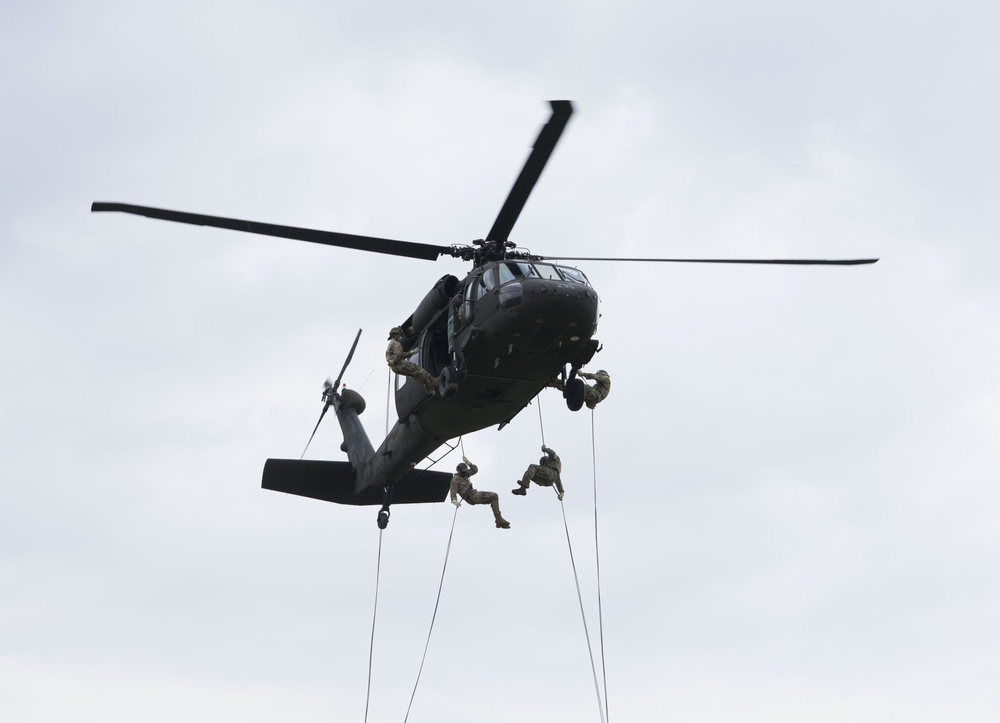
point(495, 339)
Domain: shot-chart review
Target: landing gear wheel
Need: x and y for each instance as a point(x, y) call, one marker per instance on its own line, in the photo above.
point(448, 382)
point(574, 391)
point(383, 518)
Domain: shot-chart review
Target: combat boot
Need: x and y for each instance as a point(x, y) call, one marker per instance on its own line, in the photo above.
point(502, 523)
point(521, 489)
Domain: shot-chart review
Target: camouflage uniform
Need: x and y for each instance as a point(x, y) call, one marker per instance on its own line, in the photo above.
point(545, 473)
point(594, 395)
point(462, 487)
point(398, 361)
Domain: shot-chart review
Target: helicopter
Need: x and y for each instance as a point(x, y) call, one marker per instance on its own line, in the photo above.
point(517, 323)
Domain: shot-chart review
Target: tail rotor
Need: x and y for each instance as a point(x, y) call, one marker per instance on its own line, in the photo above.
point(330, 392)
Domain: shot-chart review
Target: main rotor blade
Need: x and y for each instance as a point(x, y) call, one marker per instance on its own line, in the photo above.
point(796, 262)
point(547, 138)
point(428, 252)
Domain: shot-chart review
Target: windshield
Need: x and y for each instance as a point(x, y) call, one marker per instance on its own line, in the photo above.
point(512, 270)
point(547, 271)
point(574, 275)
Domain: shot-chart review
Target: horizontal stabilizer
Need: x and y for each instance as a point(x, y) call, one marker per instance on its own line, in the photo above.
point(334, 482)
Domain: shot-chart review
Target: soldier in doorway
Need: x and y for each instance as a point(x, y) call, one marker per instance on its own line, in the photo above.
point(545, 473)
point(594, 394)
point(398, 360)
point(462, 487)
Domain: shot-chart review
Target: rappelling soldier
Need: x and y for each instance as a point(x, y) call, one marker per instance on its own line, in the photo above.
point(398, 360)
point(462, 487)
point(545, 473)
point(594, 394)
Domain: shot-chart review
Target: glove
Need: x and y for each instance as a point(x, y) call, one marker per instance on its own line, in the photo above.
point(456, 503)
point(466, 459)
point(560, 496)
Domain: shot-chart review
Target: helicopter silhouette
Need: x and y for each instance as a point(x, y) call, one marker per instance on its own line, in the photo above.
point(494, 340)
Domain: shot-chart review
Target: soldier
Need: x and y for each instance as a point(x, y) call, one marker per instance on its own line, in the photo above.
point(545, 473)
point(599, 391)
point(398, 360)
point(462, 487)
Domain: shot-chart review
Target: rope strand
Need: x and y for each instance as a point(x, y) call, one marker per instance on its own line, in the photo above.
point(388, 398)
point(583, 615)
point(437, 601)
point(597, 557)
point(538, 399)
point(371, 644)
point(576, 578)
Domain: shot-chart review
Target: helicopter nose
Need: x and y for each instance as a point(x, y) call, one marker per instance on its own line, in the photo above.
point(561, 305)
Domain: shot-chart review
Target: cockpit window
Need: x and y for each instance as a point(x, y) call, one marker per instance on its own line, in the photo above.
point(511, 270)
point(574, 275)
point(527, 270)
point(490, 278)
point(547, 271)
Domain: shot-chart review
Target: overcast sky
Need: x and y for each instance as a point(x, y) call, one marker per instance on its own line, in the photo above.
point(796, 471)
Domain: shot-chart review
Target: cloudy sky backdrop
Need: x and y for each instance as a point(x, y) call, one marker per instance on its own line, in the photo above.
point(797, 470)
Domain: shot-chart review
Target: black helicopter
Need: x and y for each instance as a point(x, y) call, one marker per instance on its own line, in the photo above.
point(494, 339)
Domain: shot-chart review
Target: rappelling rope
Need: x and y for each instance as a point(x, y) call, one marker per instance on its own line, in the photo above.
point(576, 579)
point(388, 398)
point(437, 601)
point(371, 644)
point(597, 558)
point(541, 427)
point(378, 571)
point(583, 615)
